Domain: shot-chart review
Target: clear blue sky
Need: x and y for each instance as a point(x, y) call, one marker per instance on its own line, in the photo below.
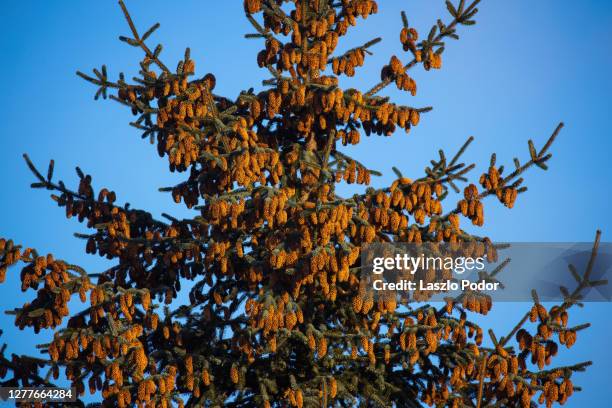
point(523, 68)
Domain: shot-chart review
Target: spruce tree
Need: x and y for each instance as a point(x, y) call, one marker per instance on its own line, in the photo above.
point(275, 315)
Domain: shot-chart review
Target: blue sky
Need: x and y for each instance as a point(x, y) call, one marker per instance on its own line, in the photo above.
point(523, 68)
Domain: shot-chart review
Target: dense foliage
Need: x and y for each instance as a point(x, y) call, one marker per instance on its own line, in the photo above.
point(275, 316)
